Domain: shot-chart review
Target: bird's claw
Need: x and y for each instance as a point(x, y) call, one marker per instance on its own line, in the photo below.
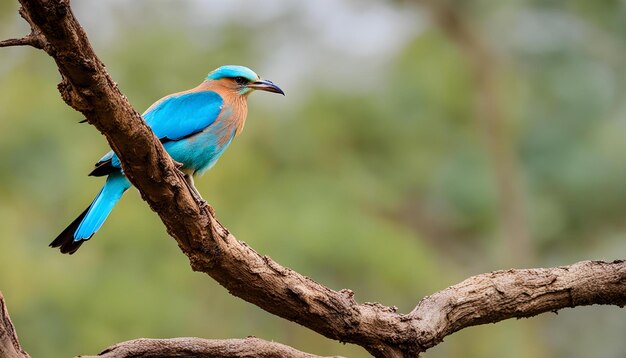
point(196, 197)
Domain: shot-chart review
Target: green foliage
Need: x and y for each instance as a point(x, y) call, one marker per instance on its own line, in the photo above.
point(387, 190)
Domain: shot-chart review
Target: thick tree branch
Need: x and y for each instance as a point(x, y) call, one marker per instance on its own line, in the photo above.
point(87, 87)
point(500, 295)
point(197, 347)
point(9, 344)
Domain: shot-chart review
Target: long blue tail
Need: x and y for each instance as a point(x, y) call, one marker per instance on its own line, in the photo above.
point(87, 223)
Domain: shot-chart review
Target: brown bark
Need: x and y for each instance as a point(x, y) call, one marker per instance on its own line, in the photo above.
point(197, 347)
point(500, 295)
point(87, 87)
point(9, 344)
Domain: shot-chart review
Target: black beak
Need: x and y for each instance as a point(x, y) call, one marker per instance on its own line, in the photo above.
point(265, 85)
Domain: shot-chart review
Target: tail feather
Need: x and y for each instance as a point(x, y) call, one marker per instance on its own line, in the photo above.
point(65, 241)
point(87, 223)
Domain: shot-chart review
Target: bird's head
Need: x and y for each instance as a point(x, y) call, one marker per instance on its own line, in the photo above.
point(242, 80)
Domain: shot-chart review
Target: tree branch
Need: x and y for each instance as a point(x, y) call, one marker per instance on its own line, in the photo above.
point(197, 347)
point(500, 295)
point(28, 40)
point(9, 344)
point(87, 87)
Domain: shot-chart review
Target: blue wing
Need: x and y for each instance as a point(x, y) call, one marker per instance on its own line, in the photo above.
point(171, 119)
point(183, 115)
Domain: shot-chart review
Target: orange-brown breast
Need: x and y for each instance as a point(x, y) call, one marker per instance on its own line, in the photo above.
point(233, 115)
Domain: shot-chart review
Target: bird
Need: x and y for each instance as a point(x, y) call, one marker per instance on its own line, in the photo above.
point(195, 127)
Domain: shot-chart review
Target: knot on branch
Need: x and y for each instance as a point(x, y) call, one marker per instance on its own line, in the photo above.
point(72, 97)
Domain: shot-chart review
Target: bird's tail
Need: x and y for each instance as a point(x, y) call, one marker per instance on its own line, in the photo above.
point(87, 223)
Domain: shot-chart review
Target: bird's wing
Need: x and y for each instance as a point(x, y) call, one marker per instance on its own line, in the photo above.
point(173, 118)
point(180, 116)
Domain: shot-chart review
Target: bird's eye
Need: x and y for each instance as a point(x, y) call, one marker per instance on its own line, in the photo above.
point(241, 80)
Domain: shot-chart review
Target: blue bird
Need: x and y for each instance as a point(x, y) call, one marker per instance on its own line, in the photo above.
point(194, 126)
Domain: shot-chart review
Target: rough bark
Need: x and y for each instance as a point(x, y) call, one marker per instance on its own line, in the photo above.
point(87, 87)
point(500, 295)
point(197, 347)
point(9, 344)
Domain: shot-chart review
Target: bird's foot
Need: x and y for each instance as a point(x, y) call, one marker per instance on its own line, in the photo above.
point(197, 197)
point(194, 192)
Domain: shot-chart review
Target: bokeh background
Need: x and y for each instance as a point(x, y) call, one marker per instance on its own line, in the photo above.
point(419, 143)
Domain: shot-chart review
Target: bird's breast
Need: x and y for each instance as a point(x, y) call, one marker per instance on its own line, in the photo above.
point(200, 152)
point(233, 115)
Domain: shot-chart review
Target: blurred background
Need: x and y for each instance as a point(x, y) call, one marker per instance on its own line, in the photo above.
point(419, 143)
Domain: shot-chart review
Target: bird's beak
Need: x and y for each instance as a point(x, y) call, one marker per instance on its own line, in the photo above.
point(265, 85)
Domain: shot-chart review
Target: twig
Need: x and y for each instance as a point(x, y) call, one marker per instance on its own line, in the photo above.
point(28, 40)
